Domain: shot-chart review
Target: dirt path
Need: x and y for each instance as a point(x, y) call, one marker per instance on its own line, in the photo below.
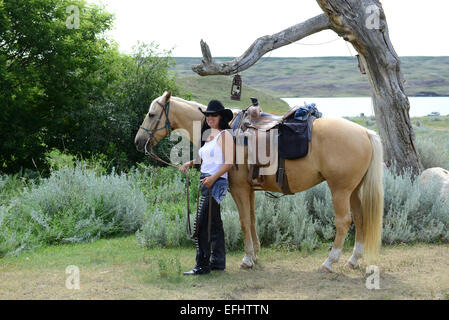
point(406, 272)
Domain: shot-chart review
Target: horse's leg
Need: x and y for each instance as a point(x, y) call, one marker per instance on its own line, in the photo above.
point(356, 209)
point(340, 201)
point(255, 238)
point(241, 197)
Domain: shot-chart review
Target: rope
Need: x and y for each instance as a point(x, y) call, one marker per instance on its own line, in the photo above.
point(273, 196)
point(298, 43)
point(156, 158)
point(357, 66)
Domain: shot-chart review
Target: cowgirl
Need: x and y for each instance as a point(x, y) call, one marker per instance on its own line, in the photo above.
point(217, 159)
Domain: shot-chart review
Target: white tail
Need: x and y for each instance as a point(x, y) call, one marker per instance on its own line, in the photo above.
point(373, 200)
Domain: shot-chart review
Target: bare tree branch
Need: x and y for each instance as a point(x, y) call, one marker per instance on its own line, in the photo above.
point(260, 47)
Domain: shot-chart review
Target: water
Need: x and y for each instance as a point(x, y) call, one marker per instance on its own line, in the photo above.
point(354, 106)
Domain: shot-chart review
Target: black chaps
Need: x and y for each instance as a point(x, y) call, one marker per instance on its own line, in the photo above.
point(216, 246)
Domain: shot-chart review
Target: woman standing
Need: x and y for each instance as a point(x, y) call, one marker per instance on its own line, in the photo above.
point(217, 155)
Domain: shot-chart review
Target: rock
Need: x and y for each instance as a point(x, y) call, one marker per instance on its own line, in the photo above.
point(437, 174)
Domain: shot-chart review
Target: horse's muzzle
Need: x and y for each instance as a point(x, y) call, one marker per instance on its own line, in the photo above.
point(140, 142)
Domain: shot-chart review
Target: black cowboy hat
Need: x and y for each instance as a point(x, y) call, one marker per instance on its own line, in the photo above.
point(216, 106)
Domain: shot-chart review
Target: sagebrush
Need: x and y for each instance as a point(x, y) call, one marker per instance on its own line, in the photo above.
point(82, 203)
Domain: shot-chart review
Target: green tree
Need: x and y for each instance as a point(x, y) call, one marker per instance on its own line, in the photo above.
point(64, 85)
point(49, 74)
point(113, 121)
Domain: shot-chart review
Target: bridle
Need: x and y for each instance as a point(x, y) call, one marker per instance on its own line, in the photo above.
point(168, 128)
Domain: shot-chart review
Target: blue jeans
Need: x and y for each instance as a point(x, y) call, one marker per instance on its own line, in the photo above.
point(219, 188)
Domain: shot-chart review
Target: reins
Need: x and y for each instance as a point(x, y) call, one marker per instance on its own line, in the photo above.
point(188, 224)
point(166, 109)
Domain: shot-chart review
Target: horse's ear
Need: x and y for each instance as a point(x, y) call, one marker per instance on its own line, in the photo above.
point(167, 96)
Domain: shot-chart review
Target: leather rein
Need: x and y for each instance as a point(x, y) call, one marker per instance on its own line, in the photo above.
point(167, 126)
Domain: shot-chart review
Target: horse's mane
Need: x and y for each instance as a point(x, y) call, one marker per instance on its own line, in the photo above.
point(202, 106)
point(235, 111)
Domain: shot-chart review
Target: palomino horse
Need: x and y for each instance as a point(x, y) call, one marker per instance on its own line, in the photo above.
point(341, 152)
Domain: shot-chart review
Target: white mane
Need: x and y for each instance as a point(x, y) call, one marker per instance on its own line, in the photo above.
point(202, 106)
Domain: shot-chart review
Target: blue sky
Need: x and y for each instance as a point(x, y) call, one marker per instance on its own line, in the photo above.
point(229, 27)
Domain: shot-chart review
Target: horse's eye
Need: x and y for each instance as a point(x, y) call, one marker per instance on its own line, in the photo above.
point(150, 115)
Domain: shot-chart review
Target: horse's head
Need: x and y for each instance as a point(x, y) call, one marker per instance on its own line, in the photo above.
point(156, 124)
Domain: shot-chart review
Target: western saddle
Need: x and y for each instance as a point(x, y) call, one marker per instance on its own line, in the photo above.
point(257, 126)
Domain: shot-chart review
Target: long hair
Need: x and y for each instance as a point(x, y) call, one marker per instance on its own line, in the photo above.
point(373, 200)
point(222, 124)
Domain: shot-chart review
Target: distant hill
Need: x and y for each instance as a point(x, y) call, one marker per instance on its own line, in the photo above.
point(329, 76)
point(204, 89)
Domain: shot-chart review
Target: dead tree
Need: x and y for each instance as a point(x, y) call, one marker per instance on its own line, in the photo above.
point(364, 25)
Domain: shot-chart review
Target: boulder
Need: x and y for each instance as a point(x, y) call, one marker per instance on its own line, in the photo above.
point(437, 174)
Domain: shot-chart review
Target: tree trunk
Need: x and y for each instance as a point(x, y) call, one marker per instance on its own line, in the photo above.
point(363, 23)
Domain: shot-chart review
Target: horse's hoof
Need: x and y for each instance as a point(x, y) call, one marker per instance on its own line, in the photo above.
point(324, 269)
point(243, 265)
point(248, 261)
point(351, 266)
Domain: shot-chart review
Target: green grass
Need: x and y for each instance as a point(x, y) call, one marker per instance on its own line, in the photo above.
point(118, 268)
point(432, 138)
point(204, 89)
point(437, 125)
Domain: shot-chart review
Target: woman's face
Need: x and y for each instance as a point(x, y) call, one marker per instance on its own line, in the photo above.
point(213, 121)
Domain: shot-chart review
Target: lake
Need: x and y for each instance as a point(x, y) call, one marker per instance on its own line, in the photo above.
point(354, 106)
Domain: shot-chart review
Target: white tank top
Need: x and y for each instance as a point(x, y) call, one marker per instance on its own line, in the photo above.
point(212, 157)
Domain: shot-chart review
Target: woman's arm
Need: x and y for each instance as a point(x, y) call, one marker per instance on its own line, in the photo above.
point(188, 165)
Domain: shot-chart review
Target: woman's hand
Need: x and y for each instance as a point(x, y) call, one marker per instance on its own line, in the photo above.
point(208, 181)
point(185, 167)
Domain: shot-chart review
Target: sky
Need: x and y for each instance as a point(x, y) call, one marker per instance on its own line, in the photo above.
point(231, 26)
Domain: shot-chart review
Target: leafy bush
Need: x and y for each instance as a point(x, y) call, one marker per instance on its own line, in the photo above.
point(285, 221)
point(57, 159)
point(434, 151)
point(306, 220)
point(72, 205)
point(413, 212)
point(3, 181)
point(10, 186)
point(164, 221)
point(231, 224)
point(81, 203)
point(319, 205)
point(154, 230)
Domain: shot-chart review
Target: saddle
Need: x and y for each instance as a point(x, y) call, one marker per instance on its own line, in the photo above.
point(264, 121)
point(257, 128)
